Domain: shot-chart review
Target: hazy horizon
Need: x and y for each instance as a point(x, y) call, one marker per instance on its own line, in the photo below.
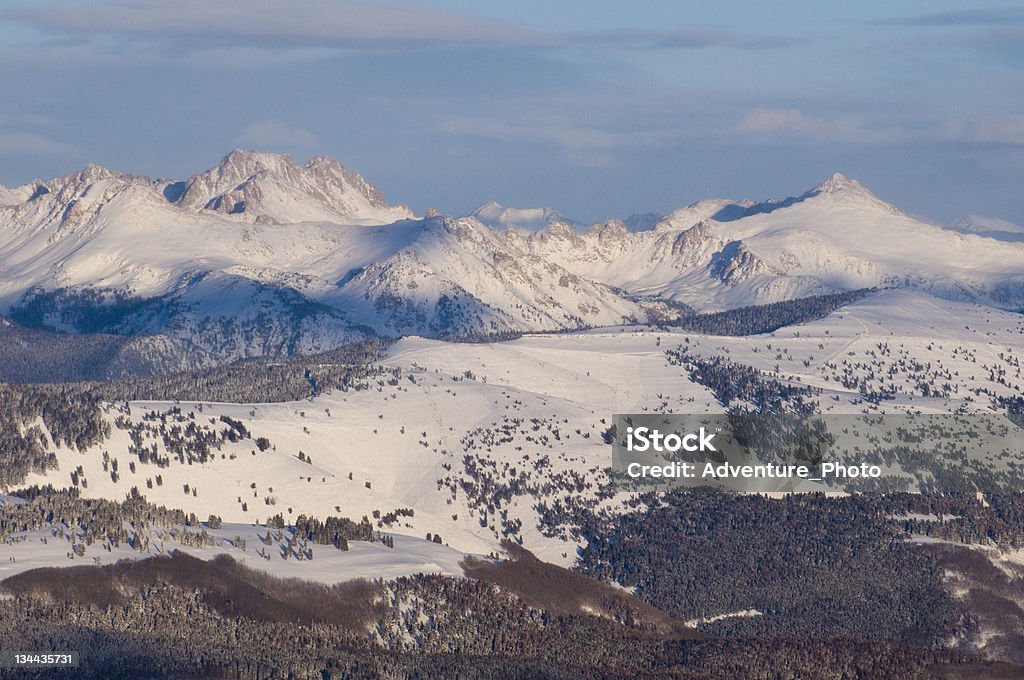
point(597, 114)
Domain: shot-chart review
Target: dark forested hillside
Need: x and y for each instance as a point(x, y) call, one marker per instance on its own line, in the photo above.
point(29, 355)
point(837, 590)
point(813, 566)
point(756, 319)
point(187, 618)
point(30, 419)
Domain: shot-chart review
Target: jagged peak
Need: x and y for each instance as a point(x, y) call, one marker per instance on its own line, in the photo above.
point(840, 185)
point(847, 190)
point(270, 187)
point(559, 229)
point(9, 197)
point(699, 233)
point(242, 163)
point(87, 175)
point(76, 184)
point(839, 182)
point(246, 155)
point(706, 226)
point(489, 206)
point(497, 216)
point(611, 229)
point(321, 161)
point(251, 162)
point(95, 170)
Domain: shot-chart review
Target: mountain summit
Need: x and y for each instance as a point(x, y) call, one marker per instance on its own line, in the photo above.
point(272, 188)
point(205, 261)
point(839, 182)
point(842, 189)
point(497, 216)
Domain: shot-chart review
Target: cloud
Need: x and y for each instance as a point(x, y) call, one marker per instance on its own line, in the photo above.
point(311, 24)
point(992, 16)
point(562, 133)
point(29, 119)
point(295, 23)
point(677, 38)
point(271, 135)
point(795, 123)
point(17, 142)
point(992, 130)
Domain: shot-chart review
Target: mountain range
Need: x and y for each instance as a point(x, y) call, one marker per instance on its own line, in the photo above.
point(263, 256)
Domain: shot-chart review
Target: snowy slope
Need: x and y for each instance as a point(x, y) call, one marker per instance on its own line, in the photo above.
point(525, 417)
point(461, 278)
point(109, 230)
point(393, 446)
point(990, 227)
point(837, 236)
point(497, 216)
point(215, 271)
point(48, 548)
point(260, 255)
point(265, 187)
point(13, 196)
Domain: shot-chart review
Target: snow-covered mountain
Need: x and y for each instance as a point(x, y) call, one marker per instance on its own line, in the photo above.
point(497, 216)
point(642, 221)
point(420, 441)
point(460, 277)
point(990, 227)
point(12, 196)
point(717, 254)
point(271, 188)
point(260, 255)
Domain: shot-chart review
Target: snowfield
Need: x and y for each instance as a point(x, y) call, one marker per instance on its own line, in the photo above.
point(363, 560)
point(525, 418)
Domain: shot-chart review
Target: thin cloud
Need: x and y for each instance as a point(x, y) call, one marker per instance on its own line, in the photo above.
point(788, 124)
point(308, 24)
point(991, 16)
point(795, 123)
point(560, 133)
point(14, 142)
point(678, 38)
point(993, 130)
point(274, 135)
point(279, 22)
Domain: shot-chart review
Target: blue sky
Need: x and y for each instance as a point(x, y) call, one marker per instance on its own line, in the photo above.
point(597, 112)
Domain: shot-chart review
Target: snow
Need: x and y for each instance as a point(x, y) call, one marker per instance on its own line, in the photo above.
point(13, 196)
point(989, 227)
point(318, 229)
point(363, 560)
point(267, 187)
point(403, 444)
point(580, 378)
point(571, 381)
point(837, 236)
point(497, 216)
point(742, 614)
